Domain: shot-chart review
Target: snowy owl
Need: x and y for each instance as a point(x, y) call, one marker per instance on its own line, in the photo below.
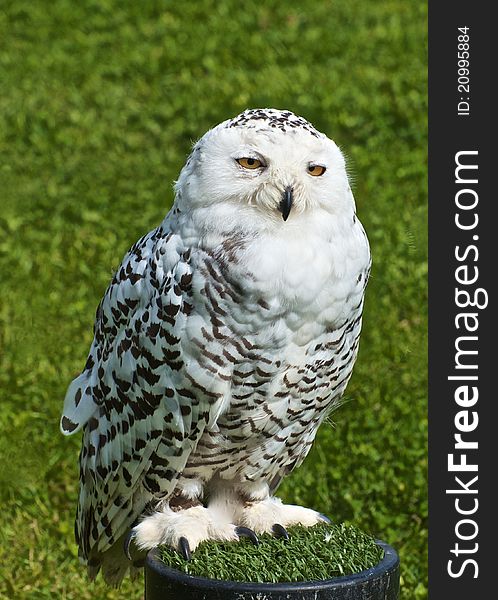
point(224, 339)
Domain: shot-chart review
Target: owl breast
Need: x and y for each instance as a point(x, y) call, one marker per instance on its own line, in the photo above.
point(282, 331)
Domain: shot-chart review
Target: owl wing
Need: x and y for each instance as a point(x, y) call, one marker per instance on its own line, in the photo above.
point(140, 421)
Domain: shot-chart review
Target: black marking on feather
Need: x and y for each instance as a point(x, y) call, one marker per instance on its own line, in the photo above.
point(68, 425)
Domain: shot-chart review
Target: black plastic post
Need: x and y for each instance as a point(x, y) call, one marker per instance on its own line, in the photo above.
point(378, 583)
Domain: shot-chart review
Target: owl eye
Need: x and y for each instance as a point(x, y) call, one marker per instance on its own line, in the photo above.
point(249, 163)
point(316, 170)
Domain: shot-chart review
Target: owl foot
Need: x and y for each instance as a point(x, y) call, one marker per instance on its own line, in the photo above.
point(183, 530)
point(272, 516)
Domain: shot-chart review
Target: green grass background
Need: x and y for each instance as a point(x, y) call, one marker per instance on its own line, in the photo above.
point(310, 554)
point(100, 101)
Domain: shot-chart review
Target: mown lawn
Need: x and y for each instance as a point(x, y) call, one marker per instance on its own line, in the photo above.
point(99, 103)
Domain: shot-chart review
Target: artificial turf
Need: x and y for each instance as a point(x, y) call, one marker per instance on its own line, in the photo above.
point(316, 553)
point(100, 101)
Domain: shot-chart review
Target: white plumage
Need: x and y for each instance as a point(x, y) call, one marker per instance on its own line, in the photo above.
point(224, 339)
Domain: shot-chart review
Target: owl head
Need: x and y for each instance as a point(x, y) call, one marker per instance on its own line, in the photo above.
point(265, 166)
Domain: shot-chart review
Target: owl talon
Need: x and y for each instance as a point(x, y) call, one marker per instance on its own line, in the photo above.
point(325, 519)
point(127, 543)
point(280, 532)
point(249, 533)
point(184, 548)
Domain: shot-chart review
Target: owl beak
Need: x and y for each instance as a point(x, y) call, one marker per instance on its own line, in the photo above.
point(286, 203)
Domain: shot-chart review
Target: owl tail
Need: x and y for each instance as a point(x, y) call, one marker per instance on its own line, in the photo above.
point(78, 406)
